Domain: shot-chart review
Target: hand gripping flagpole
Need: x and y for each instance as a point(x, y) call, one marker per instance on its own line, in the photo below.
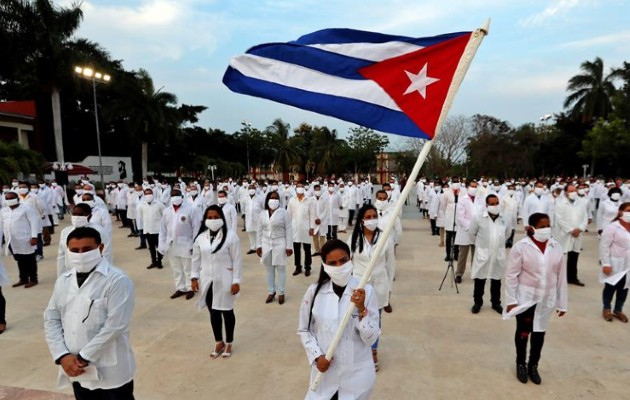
point(471, 48)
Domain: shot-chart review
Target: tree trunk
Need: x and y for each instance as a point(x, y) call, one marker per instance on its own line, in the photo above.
point(145, 158)
point(56, 114)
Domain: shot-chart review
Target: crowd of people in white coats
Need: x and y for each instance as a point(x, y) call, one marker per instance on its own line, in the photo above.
point(195, 225)
point(479, 218)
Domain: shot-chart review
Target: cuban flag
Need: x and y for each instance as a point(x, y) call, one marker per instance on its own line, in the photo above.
point(393, 84)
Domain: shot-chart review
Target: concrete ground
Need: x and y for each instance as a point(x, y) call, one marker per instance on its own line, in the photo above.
point(432, 347)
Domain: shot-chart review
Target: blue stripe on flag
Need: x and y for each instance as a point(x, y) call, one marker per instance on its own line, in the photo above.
point(342, 35)
point(313, 58)
point(356, 111)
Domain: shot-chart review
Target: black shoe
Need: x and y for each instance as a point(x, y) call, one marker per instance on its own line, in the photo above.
point(498, 308)
point(521, 373)
point(458, 279)
point(251, 252)
point(141, 247)
point(576, 282)
point(476, 308)
point(297, 271)
point(131, 235)
point(316, 254)
point(159, 266)
point(532, 371)
point(152, 266)
point(447, 258)
point(307, 272)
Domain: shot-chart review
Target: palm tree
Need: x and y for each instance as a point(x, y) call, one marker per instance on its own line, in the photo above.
point(149, 115)
point(327, 149)
point(286, 154)
point(15, 159)
point(591, 92)
point(44, 33)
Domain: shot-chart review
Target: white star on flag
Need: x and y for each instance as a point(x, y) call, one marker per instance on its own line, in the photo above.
point(420, 81)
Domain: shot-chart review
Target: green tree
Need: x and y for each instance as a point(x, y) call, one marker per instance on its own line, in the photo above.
point(591, 92)
point(608, 146)
point(15, 159)
point(286, 153)
point(365, 144)
point(326, 150)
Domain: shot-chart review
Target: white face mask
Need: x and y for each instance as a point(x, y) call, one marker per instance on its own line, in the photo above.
point(273, 204)
point(331, 189)
point(455, 185)
point(539, 191)
point(177, 200)
point(15, 183)
point(221, 200)
point(472, 191)
point(581, 192)
point(572, 195)
point(11, 202)
point(193, 192)
point(370, 224)
point(84, 262)
point(251, 192)
point(22, 191)
point(625, 217)
point(339, 275)
point(494, 210)
point(510, 192)
point(79, 221)
point(79, 191)
point(318, 193)
point(148, 198)
point(299, 190)
point(274, 188)
point(542, 234)
point(120, 185)
point(615, 196)
point(342, 189)
point(381, 205)
point(214, 224)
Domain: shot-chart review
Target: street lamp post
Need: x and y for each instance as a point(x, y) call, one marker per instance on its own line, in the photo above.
point(248, 129)
point(584, 167)
point(212, 168)
point(95, 76)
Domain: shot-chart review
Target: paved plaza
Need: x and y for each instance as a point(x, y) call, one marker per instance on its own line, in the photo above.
point(432, 347)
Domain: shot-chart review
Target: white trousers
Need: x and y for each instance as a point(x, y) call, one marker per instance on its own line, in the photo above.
point(252, 240)
point(181, 272)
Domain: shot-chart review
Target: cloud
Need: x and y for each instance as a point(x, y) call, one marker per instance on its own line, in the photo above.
point(619, 39)
point(151, 31)
point(557, 9)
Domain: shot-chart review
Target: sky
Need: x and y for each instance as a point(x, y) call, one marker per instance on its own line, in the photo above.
point(519, 74)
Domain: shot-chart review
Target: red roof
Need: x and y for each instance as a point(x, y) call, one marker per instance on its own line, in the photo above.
point(20, 108)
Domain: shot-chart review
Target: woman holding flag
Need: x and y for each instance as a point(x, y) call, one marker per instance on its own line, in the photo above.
point(350, 374)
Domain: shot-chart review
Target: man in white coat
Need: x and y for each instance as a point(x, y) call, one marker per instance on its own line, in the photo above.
point(331, 204)
point(537, 202)
point(319, 229)
point(490, 231)
point(149, 220)
point(21, 225)
point(571, 220)
point(448, 203)
point(470, 205)
point(178, 228)
point(302, 212)
point(343, 212)
point(229, 210)
point(351, 193)
point(87, 322)
point(511, 206)
point(98, 215)
point(251, 205)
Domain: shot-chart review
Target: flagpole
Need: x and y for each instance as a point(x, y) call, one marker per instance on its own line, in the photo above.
point(469, 52)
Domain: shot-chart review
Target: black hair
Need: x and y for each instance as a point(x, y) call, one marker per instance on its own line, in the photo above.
point(83, 207)
point(334, 244)
point(357, 233)
point(381, 191)
point(204, 228)
point(621, 207)
point(87, 194)
point(222, 192)
point(491, 196)
point(614, 190)
point(534, 219)
point(176, 190)
point(386, 184)
point(269, 197)
point(83, 233)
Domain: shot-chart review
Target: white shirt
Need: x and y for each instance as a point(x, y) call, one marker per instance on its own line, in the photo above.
point(20, 226)
point(149, 217)
point(93, 321)
point(303, 216)
point(178, 230)
point(352, 371)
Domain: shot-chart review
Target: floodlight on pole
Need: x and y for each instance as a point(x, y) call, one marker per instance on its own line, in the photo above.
point(95, 76)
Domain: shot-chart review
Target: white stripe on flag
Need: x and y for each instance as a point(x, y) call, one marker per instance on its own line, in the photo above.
point(299, 77)
point(370, 51)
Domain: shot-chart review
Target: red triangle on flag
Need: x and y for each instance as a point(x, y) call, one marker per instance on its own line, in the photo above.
point(425, 75)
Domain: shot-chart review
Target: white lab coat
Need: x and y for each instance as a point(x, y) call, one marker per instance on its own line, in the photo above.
point(251, 207)
point(274, 236)
point(467, 210)
point(4, 277)
point(177, 231)
point(535, 204)
point(231, 217)
point(20, 225)
point(447, 203)
point(510, 207)
point(223, 268)
point(351, 372)
point(302, 214)
point(384, 270)
point(134, 199)
point(101, 217)
point(149, 217)
point(434, 205)
point(62, 260)
point(614, 251)
point(533, 278)
point(569, 216)
point(93, 320)
point(121, 199)
point(383, 219)
point(606, 212)
point(330, 203)
point(489, 240)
